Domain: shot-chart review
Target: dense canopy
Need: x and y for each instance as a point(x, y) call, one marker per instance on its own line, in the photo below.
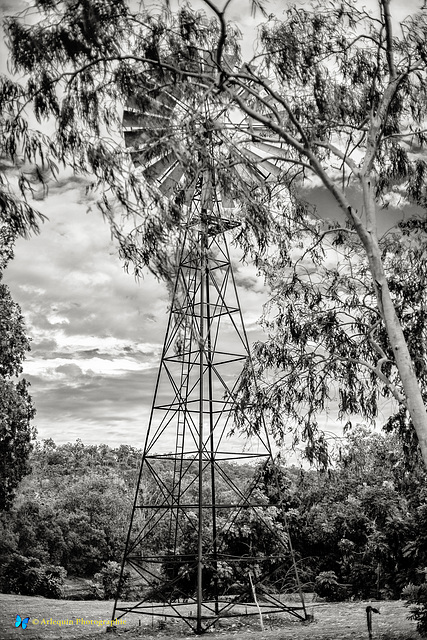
point(335, 97)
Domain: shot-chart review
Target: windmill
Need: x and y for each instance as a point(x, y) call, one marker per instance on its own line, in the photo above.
point(190, 540)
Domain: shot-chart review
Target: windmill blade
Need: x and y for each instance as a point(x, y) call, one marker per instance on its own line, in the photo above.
point(158, 101)
point(274, 151)
point(169, 183)
point(265, 166)
point(159, 168)
point(138, 122)
point(163, 123)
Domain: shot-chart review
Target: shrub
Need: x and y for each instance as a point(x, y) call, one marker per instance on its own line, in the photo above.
point(105, 582)
point(53, 582)
point(30, 577)
point(22, 575)
point(327, 586)
point(362, 580)
point(416, 600)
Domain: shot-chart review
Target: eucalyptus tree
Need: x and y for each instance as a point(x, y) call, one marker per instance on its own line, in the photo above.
point(346, 99)
point(333, 98)
point(19, 144)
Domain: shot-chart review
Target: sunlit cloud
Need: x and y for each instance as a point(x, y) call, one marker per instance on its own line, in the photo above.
point(96, 332)
point(62, 368)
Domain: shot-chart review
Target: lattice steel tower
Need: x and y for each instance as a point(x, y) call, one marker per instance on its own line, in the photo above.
point(190, 540)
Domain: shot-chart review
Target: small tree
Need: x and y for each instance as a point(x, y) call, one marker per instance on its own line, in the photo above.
point(106, 582)
point(16, 408)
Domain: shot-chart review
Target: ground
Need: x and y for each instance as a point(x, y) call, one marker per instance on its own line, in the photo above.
point(340, 621)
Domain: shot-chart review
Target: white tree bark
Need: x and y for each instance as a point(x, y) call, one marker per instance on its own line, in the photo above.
point(367, 233)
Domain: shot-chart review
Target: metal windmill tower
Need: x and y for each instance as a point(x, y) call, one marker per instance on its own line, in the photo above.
point(190, 539)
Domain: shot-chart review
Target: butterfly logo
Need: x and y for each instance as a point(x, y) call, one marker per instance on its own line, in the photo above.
point(21, 622)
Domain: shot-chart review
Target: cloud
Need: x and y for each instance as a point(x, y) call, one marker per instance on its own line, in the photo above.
point(97, 333)
point(12, 6)
point(92, 326)
point(93, 407)
point(49, 369)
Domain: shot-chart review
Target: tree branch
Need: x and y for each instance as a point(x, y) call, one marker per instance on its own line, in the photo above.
point(280, 99)
point(340, 154)
point(389, 38)
point(287, 137)
point(223, 26)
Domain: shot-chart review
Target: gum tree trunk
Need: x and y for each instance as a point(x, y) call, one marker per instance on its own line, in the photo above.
point(367, 232)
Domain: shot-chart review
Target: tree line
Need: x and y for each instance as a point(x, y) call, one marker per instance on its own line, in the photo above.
point(358, 530)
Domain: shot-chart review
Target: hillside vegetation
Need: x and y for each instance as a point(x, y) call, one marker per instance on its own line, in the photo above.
point(359, 531)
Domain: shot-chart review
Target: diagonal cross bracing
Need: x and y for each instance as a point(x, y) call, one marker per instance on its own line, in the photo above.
point(193, 521)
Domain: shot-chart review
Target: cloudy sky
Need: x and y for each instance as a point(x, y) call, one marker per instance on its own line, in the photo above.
point(96, 332)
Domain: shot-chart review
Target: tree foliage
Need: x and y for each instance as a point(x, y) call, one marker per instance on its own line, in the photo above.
point(416, 599)
point(357, 521)
point(346, 99)
point(29, 577)
point(106, 582)
point(16, 407)
point(357, 531)
point(327, 348)
point(335, 95)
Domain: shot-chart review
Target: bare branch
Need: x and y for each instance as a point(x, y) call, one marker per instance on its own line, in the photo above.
point(385, 4)
point(223, 25)
point(337, 152)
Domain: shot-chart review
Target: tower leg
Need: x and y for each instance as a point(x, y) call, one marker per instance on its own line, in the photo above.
point(194, 519)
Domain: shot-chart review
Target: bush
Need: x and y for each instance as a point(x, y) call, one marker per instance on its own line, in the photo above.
point(30, 577)
point(362, 579)
point(22, 575)
point(105, 582)
point(416, 600)
point(327, 586)
point(53, 582)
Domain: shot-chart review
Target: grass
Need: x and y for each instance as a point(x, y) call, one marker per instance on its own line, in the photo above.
point(340, 621)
